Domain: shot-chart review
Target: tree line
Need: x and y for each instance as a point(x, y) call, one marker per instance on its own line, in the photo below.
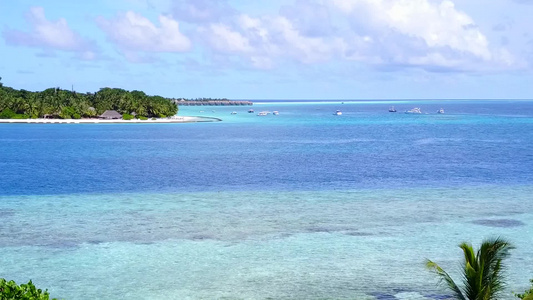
point(65, 104)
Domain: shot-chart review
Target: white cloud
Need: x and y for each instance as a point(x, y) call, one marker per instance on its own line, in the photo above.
point(410, 33)
point(202, 11)
point(447, 33)
point(132, 32)
point(265, 40)
point(427, 34)
point(224, 39)
point(55, 35)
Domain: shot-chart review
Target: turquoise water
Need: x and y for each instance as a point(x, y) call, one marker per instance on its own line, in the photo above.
point(303, 205)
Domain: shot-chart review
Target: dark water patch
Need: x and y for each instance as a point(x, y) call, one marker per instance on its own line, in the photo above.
point(286, 235)
point(145, 243)
point(201, 237)
point(383, 296)
point(504, 223)
point(438, 296)
point(355, 233)
point(4, 213)
point(62, 245)
point(319, 229)
point(94, 242)
point(330, 229)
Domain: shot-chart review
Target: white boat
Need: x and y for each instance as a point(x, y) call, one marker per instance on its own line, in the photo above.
point(415, 110)
point(250, 111)
point(338, 113)
point(263, 113)
point(440, 111)
point(275, 112)
point(233, 112)
point(392, 109)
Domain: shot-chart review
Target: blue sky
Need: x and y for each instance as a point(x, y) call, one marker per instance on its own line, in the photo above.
point(272, 49)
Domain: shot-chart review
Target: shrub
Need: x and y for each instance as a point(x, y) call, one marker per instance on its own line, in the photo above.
point(20, 116)
point(76, 116)
point(67, 112)
point(127, 117)
point(7, 114)
point(527, 295)
point(11, 290)
point(143, 118)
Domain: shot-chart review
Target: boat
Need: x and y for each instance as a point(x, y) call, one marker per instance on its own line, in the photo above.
point(338, 113)
point(415, 110)
point(250, 111)
point(233, 112)
point(440, 111)
point(275, 112)
point(392, 109)
point(263, 113)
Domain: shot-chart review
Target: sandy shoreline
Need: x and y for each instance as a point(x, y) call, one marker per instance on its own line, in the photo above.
point(181, 119)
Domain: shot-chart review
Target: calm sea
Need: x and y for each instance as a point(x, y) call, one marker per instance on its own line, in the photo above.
point(300, 205)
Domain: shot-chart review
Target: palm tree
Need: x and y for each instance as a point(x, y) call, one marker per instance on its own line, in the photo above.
point(482, 273)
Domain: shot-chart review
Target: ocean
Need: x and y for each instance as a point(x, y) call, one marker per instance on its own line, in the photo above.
point(301, 205)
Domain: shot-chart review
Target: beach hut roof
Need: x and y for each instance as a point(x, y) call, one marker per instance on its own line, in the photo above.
point(111, 114)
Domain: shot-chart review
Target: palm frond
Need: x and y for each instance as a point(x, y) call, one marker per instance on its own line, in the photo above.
point(444, 277)
point(483, 276)
point(492, 252)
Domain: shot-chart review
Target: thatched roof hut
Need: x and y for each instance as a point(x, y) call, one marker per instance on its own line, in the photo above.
point(110, 114)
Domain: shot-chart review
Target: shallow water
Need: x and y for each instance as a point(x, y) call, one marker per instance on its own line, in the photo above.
point(304, 205)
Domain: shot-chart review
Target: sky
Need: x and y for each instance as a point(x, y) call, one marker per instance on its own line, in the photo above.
point(272, 49)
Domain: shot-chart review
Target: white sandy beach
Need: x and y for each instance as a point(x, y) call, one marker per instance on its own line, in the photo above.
point(176, 119)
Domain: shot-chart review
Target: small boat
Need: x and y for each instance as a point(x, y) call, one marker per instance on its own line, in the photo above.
point(440, 111)
point(415, 110)
point(392, 109)
point(263, 113)
point(275, 112)
point(337, 113)
point(233, 112)
point(250, 111)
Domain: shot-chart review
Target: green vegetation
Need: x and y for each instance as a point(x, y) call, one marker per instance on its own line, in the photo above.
point(527, 295)
point(9, 290)
point(64, 104)
point(482, 271)
point(127, 117)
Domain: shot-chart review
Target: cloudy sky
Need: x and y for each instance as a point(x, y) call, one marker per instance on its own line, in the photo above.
point(272, 49)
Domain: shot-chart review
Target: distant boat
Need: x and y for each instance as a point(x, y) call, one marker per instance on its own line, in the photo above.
point(233, 112)
point(338, 113)
point(415, 110)
point(275, 112)
point(250, 111)
point(263, 113)
point(392, 109)
point(440, 111)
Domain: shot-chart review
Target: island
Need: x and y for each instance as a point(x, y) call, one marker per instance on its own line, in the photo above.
point(108, 105)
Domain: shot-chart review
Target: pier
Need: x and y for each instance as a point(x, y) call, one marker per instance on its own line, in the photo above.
point(212, 102)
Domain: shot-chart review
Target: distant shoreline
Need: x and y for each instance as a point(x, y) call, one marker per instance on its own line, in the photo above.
point(184, 119)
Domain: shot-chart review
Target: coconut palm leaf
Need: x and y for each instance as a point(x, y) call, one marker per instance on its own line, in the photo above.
point(444, 277)
point(482, 271)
